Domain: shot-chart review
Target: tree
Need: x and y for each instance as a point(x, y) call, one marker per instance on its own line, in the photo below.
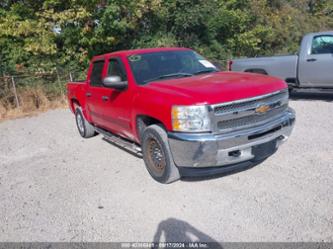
point(44, 34)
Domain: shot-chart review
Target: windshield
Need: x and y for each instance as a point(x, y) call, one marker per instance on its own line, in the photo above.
point(163, 65)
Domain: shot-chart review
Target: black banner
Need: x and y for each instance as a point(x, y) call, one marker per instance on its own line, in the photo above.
point(151, 245)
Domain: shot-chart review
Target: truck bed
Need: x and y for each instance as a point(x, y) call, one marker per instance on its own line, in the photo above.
point(284, 67)
point(75, 91)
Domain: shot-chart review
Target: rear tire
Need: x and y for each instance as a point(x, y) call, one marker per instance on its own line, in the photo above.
point(85, 129)
point(157, 155)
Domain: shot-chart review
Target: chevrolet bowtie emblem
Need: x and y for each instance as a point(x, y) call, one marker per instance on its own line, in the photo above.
point(262, 109)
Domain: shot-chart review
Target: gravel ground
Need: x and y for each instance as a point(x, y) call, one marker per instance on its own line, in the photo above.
point(56, 186)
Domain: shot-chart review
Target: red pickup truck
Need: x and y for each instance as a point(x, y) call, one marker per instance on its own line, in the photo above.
point(177, 110)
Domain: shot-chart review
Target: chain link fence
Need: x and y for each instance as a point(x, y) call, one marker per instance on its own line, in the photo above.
point(28, 92)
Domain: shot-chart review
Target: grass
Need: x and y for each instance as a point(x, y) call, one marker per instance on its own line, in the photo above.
point(33, 100)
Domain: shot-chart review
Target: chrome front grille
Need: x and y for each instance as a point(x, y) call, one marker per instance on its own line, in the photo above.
point(238, 106)
point(245, 113)
point(250, 120)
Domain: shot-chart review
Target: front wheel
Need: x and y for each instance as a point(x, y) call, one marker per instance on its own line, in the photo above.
point(157, 155)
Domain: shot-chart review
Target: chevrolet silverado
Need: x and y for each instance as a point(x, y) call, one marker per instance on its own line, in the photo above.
point(180, 113)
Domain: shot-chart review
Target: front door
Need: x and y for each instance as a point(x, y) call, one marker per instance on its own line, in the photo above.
point(118, 103)
point(316, 67)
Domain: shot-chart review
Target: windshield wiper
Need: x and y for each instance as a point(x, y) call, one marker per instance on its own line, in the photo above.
point(169, 76)
point(206, 71)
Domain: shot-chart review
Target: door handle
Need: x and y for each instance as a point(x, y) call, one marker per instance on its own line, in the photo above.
point(311, 60)
point(105, 98)
point(88, 94)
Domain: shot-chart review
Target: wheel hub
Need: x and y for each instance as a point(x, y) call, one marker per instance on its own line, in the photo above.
point(156, 156)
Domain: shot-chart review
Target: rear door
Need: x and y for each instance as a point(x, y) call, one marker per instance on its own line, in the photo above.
point(316, 62)
point(95, 92)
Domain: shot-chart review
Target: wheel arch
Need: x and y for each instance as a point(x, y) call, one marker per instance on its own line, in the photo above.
point(74, 102)
point(142, 121)
point(256, 70)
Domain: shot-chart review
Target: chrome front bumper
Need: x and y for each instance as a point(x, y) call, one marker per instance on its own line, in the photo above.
point(214, 150)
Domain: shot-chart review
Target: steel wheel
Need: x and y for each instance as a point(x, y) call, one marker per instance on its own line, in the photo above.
point(156, 157)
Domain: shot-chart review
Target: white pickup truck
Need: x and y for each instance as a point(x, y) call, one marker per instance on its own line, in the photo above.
point(311, 68)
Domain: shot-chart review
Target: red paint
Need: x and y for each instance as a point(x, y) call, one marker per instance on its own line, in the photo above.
point(155, 99)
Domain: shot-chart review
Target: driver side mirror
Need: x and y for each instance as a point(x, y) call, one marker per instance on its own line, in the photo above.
point(114, 82)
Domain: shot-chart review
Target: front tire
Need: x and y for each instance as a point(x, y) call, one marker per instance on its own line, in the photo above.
point(85, 129)
point(157, 155)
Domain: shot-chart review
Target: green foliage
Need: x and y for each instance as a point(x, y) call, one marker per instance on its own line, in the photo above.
point(42, 35)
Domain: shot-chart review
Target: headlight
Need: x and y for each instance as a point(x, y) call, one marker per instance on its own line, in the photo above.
point(190, 118)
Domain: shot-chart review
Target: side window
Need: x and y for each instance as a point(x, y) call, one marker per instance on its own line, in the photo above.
point(96, 74)
point(322, 44)
point(116, 69)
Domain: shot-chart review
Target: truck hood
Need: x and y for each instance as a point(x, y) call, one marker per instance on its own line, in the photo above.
point(217, 87)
